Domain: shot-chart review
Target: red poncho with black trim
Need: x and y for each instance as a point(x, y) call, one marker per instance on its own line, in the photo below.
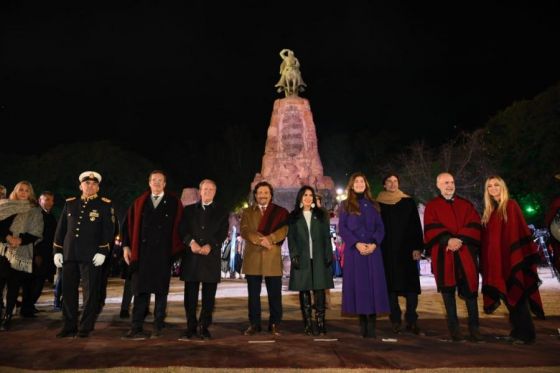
point(508, 261)
point(454, 218)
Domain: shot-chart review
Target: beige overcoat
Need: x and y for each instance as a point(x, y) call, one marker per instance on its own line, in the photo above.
point(257, 259)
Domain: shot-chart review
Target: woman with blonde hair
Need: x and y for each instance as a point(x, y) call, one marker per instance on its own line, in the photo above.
point(21, 225)
point(364, 290)
point(509, 262)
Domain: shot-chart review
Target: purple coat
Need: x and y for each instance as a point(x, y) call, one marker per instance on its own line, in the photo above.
point(364, 290)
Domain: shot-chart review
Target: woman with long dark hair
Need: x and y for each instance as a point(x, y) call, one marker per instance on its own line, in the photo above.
point(364, 289)
point(311, 254)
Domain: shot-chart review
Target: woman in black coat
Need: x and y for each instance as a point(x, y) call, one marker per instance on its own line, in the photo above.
point(311, 254)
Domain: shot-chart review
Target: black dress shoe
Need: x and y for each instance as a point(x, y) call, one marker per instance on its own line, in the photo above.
point(83, 334)
point(252, 330)
point(66, 334)
point(125, 314)
point(204, 334)
point(188, 335)
point(156, 333)
point(136, 335)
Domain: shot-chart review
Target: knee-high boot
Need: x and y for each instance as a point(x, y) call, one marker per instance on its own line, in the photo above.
point(363, 325)
point(305, 304)
point(320, 311)
point(371, 321)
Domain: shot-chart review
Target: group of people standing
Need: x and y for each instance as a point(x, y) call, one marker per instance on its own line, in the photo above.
point(383, 236)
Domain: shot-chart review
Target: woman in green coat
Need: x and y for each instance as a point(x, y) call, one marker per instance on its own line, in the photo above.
point(311, 255)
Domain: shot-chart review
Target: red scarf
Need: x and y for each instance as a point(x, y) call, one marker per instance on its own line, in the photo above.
point(135, 223)
point(274, 218)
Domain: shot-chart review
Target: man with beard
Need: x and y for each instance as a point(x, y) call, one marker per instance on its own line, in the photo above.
point(264, 228)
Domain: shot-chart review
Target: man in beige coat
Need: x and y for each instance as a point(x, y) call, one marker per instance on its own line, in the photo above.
point(264, 227)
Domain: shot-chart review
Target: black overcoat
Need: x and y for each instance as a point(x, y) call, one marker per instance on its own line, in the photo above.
point(208, 225)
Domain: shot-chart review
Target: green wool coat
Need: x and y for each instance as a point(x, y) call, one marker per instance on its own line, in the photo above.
point(308, 277)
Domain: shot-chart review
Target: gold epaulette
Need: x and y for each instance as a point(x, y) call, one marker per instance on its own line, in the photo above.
point(70, 199)
point(104, 199)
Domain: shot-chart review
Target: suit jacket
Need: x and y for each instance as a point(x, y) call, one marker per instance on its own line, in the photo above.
point(207, 225)
point(257, 259)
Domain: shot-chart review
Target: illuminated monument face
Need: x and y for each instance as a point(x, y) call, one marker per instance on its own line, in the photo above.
point(291, 157)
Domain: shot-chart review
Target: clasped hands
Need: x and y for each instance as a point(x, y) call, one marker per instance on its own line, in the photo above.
point(366, 248)
point(264, 241)
point(454, 244)
point(197, 249)
point(13, 241)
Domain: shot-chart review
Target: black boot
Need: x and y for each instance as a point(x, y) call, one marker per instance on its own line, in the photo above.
point(363, 325)
point(5, 324)
point(320, 311)
point(371, 325)
point(305, 304)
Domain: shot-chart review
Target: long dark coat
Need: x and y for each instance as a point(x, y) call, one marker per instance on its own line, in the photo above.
point(152, 272)
point(308, 277)
point(403, 235)
point(205, 226)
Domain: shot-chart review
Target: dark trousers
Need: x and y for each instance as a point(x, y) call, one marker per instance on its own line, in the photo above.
point(37, 288)
point(451, 310)
point(274, 290)
point(58, 288)
point(127, 295)
point(411, 304)
point(521, 321)
point(141, 303)
point(91, 277)
point(191, 302)
point(15, 280)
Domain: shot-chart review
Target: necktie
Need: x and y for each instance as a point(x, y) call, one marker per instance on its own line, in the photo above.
point(155, 198)
point(262, 210)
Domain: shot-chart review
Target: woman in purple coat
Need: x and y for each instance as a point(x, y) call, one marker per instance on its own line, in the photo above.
point(364, 290)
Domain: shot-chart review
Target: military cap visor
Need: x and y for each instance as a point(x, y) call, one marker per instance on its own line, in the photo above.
point(90, 175)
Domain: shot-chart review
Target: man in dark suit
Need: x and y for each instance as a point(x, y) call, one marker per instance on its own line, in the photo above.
point(150, 239)
point(43, 266)
point(203, 227)
point(81, 243)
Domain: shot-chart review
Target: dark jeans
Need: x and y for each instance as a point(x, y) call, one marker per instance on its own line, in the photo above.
point(191, 302)
point(274, 290)
point(411, 304)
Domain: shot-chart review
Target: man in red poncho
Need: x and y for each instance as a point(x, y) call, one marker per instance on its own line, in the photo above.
point(452, 236)
point(150, 241)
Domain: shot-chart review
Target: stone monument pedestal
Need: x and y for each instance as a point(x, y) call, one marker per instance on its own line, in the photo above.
point(291, 158)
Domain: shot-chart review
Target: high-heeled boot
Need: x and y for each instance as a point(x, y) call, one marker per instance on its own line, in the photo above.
point(305, 304)
point(320, 311)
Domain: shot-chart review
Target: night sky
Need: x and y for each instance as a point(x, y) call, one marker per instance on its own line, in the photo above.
point(101, 72)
